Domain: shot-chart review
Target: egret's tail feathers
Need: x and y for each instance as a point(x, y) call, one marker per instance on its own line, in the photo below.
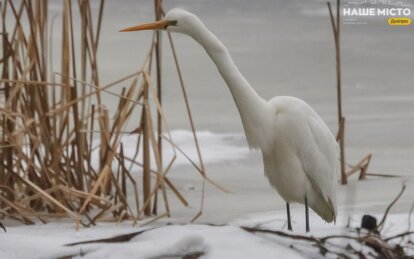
point(326, 209)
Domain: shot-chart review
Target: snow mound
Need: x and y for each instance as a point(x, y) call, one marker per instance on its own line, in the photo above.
point(178, 241)
point(153, 244)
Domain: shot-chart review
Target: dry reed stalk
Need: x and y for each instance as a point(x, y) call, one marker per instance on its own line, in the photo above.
point(336, 25)
point(161, 174)
point(158, 64)
point(363, 164)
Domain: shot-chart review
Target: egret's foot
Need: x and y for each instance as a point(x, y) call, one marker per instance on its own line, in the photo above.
point(1, 225)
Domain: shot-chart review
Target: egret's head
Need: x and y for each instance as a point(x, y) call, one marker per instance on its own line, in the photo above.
point(176, 20)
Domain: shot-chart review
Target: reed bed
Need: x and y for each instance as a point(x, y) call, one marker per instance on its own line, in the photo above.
point(53, 122)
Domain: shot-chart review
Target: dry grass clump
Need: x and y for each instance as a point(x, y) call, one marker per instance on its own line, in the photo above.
point(53, 122)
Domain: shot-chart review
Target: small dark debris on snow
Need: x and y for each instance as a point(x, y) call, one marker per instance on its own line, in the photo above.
point(369, 223)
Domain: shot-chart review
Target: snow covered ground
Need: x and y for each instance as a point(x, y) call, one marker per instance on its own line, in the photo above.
point(175, 241)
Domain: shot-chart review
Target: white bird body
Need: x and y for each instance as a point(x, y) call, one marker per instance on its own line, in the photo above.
point(301, 159)
point(299, 151)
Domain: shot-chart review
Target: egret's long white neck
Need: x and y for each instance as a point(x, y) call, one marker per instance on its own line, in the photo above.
point(250, 105)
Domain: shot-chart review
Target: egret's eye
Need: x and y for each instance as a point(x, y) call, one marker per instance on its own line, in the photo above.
point(172, 23)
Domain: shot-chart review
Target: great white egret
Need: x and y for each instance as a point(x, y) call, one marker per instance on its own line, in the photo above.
point(299, 151)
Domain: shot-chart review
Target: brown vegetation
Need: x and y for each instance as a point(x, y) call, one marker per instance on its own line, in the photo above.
point(49, 121)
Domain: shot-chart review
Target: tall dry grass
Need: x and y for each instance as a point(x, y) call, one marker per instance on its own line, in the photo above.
point(50, 118)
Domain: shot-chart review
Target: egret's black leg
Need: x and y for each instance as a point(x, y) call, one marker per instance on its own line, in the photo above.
point(307, 214)
point(1, 225)
point(288, 216)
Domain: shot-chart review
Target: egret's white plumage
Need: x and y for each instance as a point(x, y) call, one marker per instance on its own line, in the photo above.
point(299, 151)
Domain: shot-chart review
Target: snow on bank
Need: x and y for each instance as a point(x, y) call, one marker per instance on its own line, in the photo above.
point(174, 241)
point(179, 240)
point(166, 242)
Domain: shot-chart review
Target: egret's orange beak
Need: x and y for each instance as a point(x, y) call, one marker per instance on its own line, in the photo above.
point(158, 25)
